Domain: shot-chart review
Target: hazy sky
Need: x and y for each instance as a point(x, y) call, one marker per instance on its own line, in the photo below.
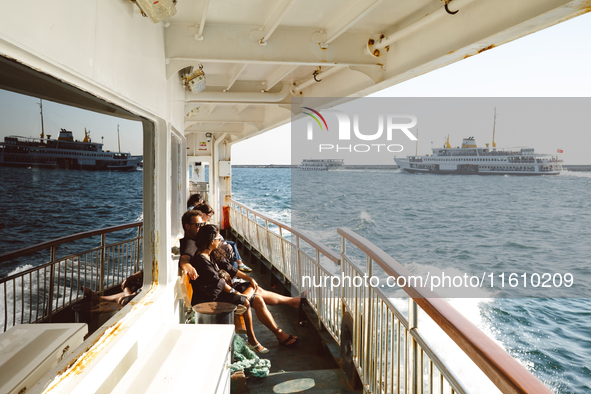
point(554, 62)
point(20, 115)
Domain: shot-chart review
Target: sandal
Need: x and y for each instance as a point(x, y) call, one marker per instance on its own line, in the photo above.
point(264, 350)
point(292, 344)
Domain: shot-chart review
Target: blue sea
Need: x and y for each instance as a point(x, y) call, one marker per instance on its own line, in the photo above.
point(39, 205)
point(427, 222)
point(461, 224)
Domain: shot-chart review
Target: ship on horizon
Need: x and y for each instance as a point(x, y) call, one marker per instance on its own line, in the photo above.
point(470, 159)
point(63, 152)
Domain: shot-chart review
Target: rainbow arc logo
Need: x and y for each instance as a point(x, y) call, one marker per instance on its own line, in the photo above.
point(315, 118)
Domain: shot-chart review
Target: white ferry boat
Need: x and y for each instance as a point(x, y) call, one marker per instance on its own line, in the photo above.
point(471, 159)
point(63, 152)
point(201, 77)
point(321, 164)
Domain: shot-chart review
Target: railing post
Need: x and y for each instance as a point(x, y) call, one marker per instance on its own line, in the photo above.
point(368, 309)
point(413, 349)
point(52, 252)
point(269, 248)
point(298, 262)
point(139, 246)
point(101, 269)
point(324, 293)
point(282, 248)
point(256, 229)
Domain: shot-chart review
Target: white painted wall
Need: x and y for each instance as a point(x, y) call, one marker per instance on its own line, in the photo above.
point(107, 48)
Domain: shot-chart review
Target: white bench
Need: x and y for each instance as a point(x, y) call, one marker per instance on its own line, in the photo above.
point(183, 358)
point(29, 351)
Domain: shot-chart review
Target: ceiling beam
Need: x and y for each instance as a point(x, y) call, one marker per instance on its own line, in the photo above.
point(277, 75)
point(274, 20)
point(199, 35)
point(239, 108)
point(347, 18)
point(236, 71)
point(290, 46)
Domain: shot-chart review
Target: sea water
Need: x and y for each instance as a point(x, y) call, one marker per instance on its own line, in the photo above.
point(426, 222)
point(39, 205)
point(459, 224)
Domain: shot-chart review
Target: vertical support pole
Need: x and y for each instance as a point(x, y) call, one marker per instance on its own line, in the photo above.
point(345, 293)
point(298, 263)
point(282, 248)
point(139, 247)
point(101, 269)
point(413, 349)
point(256, 228)
point(322, 302)
point(51, 280)
point(269, 248)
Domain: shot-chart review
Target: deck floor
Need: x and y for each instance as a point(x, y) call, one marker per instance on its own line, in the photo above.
point(307, 368)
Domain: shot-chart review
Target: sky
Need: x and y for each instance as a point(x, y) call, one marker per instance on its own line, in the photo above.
point(554, 62)
point(20, 115)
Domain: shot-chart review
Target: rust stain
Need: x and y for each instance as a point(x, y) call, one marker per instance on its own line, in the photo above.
point(77, 366)
point(487, 48)
point(479, 51)
point(449, 53)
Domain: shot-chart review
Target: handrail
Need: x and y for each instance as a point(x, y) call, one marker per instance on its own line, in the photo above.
point(502, 369)
point(37, 294)
point(55, 242)
point(329, 253)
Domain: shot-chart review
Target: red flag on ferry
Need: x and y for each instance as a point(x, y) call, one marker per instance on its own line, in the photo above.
point(560, 151)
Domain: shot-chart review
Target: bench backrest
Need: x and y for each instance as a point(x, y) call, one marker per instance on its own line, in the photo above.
point(186, 289)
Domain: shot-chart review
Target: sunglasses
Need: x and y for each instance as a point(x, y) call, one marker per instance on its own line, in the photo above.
point(198, 224)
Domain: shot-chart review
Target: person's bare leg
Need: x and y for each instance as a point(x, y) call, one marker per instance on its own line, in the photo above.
point(127, 292)
point(252, 339)
point(265, 317)
point(272, 298)
point(96, 298)
point(113, 298)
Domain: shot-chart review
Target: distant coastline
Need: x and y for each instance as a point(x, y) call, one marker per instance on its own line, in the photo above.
point(347, 167)
point(572, 167)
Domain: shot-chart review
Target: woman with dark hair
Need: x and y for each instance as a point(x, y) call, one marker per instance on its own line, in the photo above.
point(211, 286)
point(235, 259)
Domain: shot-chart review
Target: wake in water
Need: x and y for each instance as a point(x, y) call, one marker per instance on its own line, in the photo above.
point(468, 225)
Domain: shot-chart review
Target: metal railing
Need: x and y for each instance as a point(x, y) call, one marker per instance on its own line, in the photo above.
point(289, 257)
point(35, 295)
point(378, 345)
point(388, 350)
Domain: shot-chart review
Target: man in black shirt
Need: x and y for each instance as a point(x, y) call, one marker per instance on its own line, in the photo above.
point(192, 220)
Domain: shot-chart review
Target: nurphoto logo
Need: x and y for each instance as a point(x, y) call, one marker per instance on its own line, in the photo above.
point(394, 123)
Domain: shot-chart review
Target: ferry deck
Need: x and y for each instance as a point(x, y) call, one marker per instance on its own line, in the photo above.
point(202, 76)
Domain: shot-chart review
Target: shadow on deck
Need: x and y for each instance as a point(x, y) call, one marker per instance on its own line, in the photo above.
point(310, 367)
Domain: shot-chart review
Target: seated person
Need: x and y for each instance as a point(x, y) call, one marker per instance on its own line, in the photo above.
point(192, 220)
point(235, 255)
point(131, 287)
point(194, 200)
point(210, 286)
